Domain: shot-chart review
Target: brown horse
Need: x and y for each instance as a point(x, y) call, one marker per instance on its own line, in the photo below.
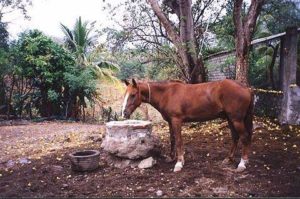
point(179, 102)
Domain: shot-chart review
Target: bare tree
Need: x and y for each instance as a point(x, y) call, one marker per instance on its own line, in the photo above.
point(184, 39)
point(9, 6)
point(244, 29)
point(171, 30)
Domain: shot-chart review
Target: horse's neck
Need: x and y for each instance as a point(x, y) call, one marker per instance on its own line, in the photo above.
point(152, 94)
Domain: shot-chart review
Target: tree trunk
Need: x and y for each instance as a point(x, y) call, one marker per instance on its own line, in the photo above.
point(244, 29)
point(45, 105)
point(192, 66)
point(10, 97)
point(242, 66)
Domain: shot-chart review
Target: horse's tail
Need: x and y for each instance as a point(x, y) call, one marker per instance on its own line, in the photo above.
point(249, 115)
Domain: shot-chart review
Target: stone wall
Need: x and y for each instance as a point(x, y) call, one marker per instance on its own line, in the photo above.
point(221, 66)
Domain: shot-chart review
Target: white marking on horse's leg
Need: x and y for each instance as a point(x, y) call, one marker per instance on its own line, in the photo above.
point(124, 103)
point(181, 159)
point(178, 166)
point(242, 165)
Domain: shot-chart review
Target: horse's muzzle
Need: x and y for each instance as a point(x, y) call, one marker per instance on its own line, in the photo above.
point(126, 115)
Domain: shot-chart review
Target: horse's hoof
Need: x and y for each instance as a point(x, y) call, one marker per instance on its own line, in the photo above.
point(240, 169)
point(178, 167)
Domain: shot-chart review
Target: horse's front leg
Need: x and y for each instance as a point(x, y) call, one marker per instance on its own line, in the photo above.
point(176, 130)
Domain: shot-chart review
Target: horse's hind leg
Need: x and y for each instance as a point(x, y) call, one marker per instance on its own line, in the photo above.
point(173, 144)
point(235, 139)
point(245, 138)
point(176, 129)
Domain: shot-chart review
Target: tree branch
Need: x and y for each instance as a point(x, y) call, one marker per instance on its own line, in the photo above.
point(165, 21)
point(254, 10)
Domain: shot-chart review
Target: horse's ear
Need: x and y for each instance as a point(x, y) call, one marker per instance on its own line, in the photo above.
point(126, 82)
point(134, 83)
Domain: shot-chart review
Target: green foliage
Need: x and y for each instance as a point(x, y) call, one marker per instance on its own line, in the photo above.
point(45, 77)
point(165, 72)
point(80, 41)
point(257, 70)
point(132, 69)
point(42, 62)
point(81, 83)
point(278, 15)
point(3, 36)
point(224, 28)
point(275, 17)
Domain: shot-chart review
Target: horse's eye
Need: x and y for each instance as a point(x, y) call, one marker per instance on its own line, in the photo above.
point(132, 96)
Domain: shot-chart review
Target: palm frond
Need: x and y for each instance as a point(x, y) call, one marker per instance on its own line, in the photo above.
point(69, 36)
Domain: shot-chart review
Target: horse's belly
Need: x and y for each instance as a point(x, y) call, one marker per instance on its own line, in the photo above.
point(201, 118)
point(202, 114)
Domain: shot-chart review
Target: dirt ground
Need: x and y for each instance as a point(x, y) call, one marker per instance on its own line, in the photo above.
point(34, 163)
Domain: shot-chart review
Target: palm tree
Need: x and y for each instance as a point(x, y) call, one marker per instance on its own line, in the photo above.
point(79, 40)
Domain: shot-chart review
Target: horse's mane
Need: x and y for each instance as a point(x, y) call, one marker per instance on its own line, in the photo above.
point(177, 80)
point(164, 81)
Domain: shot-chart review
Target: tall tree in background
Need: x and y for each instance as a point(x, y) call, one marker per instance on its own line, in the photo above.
point(274, 18)
point(79, 39)
point(244, 29)
point(170, 33)
point(6, 7)
point(3, 64)
point(183, 38)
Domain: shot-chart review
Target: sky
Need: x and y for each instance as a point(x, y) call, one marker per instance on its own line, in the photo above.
point(46, 15)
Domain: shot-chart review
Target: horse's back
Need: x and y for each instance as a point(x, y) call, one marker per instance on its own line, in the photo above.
point(204, 101)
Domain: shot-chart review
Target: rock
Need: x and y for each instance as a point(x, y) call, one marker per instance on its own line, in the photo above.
point(151, 189)
point(117, 162)
point(147, 163)
point(24, 161)
point(132, 139)
point(65, 186)
point(122, 164)
point(10, 163)
point(203, 181)
point(55, 169)
point(159, 193)
point(220, 190)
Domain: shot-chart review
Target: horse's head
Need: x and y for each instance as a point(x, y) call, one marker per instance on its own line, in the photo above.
point(132, 98)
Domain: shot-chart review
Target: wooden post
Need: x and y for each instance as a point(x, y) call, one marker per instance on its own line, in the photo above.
point(288, 65)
